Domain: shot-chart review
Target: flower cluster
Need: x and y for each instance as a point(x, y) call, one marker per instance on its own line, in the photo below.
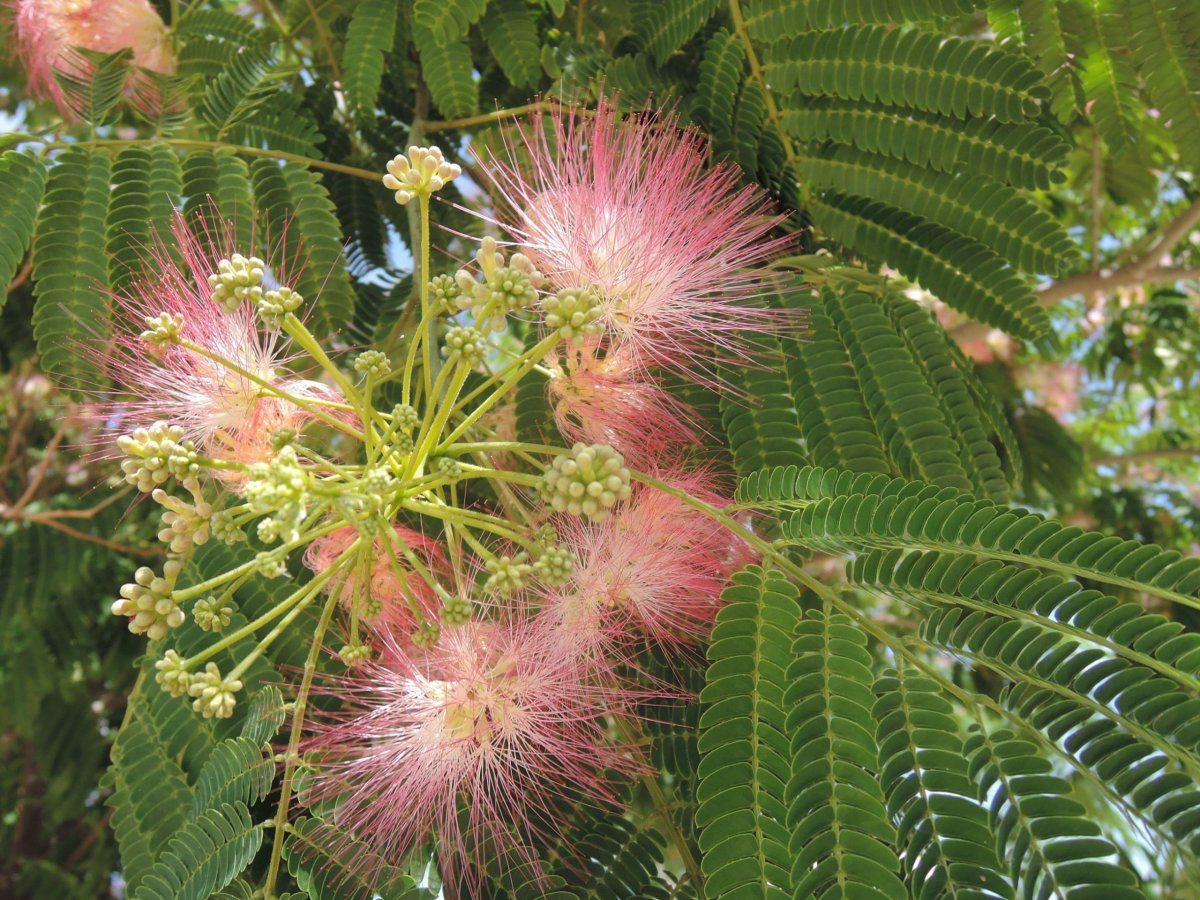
point(491, 596)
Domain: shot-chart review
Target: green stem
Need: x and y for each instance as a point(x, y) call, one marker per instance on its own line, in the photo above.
point(266, 385)
point(289, 767)
point(302, 336)
point(659, 799)
point(221, 145)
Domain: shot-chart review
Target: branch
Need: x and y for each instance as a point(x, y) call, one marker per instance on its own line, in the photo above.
point(1146, 269)
point(1102, 283)
point(1140, 456)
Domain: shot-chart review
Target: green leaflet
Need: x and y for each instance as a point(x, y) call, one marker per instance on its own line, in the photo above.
point(939, 811)
point(745, 758)
point(838, 509)
point(512, 37)
point(70, 270)
point(369, 38)
point(146, 185)
point(1042, 833)
point(22, 182)
point(295, 207)
point(842, 841)
point(447, 68)
point(217, 185)
point(205, 855)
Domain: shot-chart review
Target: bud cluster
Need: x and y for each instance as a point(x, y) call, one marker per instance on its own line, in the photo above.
point(422, 172)
point(155, 454)
point(589, 482)
point(149, 601)
point(506, 286)
point(238, 279)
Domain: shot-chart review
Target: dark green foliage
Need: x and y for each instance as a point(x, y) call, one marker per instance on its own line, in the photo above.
point(512, 38)
point(22, 183)
point(744, 740)
point(93, 97)
point(369, 38)
point(665, 27)
point(447, 70)
point(841, 837)
point(146, 187)
point(937, 808)
point(1042, 834)
point(216, 185)
point(69, 266)
point(294, 207)
point(204, 856)
point(842, 510)
point(975, 278)
point(329, 864)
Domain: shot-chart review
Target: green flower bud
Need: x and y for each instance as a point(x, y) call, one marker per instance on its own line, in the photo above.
point(507, 575)
point(222, 527)
point(211, 614)
point(172, 675)
point(275, 306)
point(237, 279)
point(465, 342)
point(149, 601)
point(426, 636)
point(373, 363)
point(574, 313)
point(162, 330)
point(455, 611)
point(554, 566)
point(589, 482)
point(156, 453)
point(444, 293)
point(214, 694)
point(270, 564)
point(405, 417)
point(422, 172)
point(353, 655)
point(185, 525)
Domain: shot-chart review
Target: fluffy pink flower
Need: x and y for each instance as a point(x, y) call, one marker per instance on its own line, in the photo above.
point(612, 401)
point(230, 415)
point(655, 565)
point(475, 738)
point(629, 207)
point(45, 30)
point(390, 581)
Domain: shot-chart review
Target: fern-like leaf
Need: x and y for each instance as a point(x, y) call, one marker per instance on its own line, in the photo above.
point(512, 37)
point(841, 837)
point(69, 265)
point(1170, 67)
point(914, 68)
point(664, 27)
point(206, 854)
point(947, 847)
point(447, 69)
point(447, 21)
point(1025, 156)
point(967, 274)
point(22, 184)
point(92, 82)
point(146, 186)
point(370, 36)
point(236, 772)
point(294, 205)
point(331, 865)
point(216, 184)
point(745, 755)
point(1051, 848)
point(719, 77)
